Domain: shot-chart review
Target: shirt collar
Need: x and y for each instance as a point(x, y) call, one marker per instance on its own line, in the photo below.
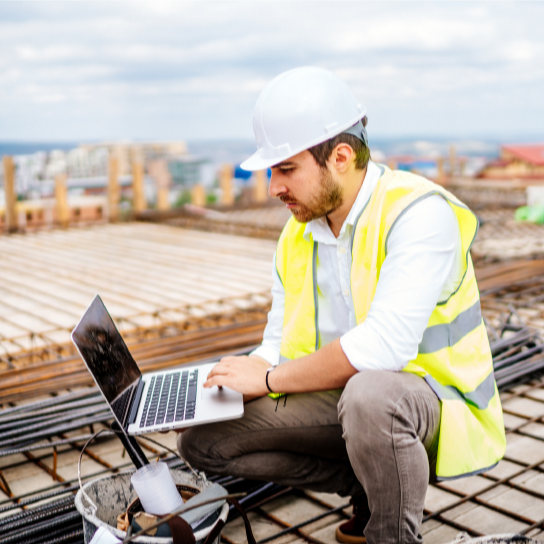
point(319, 228)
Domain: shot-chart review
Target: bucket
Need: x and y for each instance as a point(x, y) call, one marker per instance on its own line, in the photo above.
point(113, 494)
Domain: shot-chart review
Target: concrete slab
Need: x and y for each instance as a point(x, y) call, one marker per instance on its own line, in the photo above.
point(331, 499)
point(20, 472)
point(441, 535)
point(261, 527)
point(537, 394)
point(526, 449)
point(114, 457)
point(534, 429)
point(459, 510)
point(67, 465)
point(180, 269)
point(288, 539)
point(495, 492)
point(9, 460)
point(489, 522)
point(327, 534)
point(37, 481)
point(429, 526)
point(512, 422)
point(325, 527)
point(533, 481)
point(473, 484)
point(437, 498)
point(525, 477)
point(520, 503)
point(292, 509)
point(504, 470)
point(520, 388)
point(103, 447)
point(69, 472)
point(325, 524)
point(524, 406)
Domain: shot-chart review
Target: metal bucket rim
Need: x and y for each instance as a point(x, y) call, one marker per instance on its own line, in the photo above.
point(199, 535)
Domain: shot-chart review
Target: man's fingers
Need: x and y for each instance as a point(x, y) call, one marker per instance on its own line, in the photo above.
point(219, 380)
point(216, 376)
point(218, 370)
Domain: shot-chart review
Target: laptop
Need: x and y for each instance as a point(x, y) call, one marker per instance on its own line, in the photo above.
point(151, 402)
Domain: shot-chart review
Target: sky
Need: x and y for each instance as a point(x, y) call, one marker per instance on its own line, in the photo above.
point(76, 71)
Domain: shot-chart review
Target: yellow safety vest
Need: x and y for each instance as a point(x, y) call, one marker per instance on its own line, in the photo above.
point(454, 356)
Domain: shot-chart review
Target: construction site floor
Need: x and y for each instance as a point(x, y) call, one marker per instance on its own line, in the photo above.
point(174, 304)
point(145, 273)
point(507, 499)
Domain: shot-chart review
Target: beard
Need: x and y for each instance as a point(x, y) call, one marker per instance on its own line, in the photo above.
point(328, 197)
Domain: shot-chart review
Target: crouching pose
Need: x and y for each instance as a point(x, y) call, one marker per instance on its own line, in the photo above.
point(375, 333)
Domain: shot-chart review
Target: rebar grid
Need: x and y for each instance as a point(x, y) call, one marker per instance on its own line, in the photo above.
point(525, 299)
point(265, 221)
point(330, 511)
point(511, 338)
point(509, 240)
point(148, 275)
point(36, 347)
point(154, 348)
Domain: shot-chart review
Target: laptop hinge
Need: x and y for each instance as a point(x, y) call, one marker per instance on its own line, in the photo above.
point(135, 403)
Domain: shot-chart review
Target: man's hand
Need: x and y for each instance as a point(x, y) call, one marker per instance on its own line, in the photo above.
point(327, 368)
point(246, 374)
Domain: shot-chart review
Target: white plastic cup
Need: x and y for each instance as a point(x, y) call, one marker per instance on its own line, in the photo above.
point(103, 536)
point(156, 489)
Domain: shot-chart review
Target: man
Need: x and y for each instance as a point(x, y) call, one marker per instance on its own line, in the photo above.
point(375, 331)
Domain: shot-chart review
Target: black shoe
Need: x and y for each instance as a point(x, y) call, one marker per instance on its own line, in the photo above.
point(352, 531)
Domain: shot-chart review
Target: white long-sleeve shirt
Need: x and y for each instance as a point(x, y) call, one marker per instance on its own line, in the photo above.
point(420, 269)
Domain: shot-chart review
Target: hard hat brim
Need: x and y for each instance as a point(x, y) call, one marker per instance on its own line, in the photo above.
point(256, 162)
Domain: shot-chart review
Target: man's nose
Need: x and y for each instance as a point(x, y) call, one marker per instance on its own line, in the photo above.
point(276, 187)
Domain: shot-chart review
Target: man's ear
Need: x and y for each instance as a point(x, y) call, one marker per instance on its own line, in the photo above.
point(341, 157)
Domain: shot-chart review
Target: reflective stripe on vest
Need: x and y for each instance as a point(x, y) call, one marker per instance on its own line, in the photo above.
point(480, 397)
point(453, 356)
point(446, 335)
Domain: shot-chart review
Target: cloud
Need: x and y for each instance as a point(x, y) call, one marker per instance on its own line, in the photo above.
point(194, 69)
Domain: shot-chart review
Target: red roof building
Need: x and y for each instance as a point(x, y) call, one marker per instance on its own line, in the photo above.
point(517, 161)
point(532, 154)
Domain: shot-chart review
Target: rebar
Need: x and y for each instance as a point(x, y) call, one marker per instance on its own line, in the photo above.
point(518, 352)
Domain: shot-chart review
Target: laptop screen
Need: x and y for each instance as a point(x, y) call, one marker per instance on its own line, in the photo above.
point(106, 356)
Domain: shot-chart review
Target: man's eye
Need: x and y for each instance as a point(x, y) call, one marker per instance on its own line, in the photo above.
point(286, 170)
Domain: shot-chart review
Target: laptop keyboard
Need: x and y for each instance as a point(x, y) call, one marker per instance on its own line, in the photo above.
point(120, 404)
point(170, 397)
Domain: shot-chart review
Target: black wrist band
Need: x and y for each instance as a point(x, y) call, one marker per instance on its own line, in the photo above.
point(268, 371)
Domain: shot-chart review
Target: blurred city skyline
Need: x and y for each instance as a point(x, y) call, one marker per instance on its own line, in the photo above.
point(91, 71)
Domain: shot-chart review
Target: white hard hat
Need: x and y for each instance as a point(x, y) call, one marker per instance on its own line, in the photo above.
point(297, 110)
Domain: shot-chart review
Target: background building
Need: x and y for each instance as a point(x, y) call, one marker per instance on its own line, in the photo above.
point(517, 161)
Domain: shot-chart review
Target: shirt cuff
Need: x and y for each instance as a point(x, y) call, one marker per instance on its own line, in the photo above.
point(268, 354)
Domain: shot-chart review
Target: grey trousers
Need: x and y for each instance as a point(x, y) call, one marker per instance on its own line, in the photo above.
point(378, 437)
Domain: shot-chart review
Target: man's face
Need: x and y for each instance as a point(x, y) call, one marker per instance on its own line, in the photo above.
point(307, 190)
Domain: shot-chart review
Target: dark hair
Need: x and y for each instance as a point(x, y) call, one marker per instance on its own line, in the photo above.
point(322, 152)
